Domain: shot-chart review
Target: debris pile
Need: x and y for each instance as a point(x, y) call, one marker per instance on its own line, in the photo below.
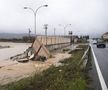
point(36, 52)
point(4, 47)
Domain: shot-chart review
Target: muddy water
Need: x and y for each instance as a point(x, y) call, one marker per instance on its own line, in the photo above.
point(15, 48)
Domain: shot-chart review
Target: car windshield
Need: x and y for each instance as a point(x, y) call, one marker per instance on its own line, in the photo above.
point(100, 41)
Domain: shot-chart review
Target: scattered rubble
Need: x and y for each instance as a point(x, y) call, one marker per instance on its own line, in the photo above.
point(1, 47)
point(36, 52)
point(16, 71)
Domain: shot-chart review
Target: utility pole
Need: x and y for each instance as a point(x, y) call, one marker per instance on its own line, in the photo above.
point(29, 31)
point(71, 37)
point(46, 27)
point(55, 35)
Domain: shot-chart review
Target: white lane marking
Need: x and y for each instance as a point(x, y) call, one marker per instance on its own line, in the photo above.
point(102, 81)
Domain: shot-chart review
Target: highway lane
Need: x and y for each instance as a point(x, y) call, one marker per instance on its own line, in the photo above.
point(102, 59)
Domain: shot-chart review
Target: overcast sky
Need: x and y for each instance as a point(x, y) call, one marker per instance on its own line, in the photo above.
point(86, 16)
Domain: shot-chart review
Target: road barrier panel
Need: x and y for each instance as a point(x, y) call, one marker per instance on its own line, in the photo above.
point(84, 59)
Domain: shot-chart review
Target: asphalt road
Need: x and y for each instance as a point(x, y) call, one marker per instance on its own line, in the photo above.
point(102, 59)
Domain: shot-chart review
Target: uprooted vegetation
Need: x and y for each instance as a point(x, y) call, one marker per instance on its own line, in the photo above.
point(69, 76)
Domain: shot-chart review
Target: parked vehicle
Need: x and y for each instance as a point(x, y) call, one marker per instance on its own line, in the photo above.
point(101, 44)
point(94, 42)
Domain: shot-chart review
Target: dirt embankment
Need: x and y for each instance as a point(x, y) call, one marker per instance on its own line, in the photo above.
point(11, 71)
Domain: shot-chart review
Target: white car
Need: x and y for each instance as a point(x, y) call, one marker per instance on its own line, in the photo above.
point(94, 42)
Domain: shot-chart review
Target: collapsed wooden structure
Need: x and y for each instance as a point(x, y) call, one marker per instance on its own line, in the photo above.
point(40, 49)
point(37, 49)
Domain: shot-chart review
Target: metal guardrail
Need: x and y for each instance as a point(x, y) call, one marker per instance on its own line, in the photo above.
point(85, 53)
point(84, 58)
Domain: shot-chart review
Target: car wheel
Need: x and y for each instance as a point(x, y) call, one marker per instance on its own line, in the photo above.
point(104, 46)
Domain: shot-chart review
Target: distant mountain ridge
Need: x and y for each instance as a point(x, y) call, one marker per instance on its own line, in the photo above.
point(12, 35)
point(20, 35)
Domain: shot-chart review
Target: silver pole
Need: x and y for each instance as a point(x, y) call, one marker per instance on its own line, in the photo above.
point(35, 24)
point(35, 13)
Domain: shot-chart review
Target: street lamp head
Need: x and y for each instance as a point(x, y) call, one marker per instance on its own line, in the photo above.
point(45, 5)
point(35, 12)
point(25, 7)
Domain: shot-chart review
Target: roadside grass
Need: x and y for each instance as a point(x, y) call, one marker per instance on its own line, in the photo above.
point(82, 46)
point(66, 49)
point(66, 77)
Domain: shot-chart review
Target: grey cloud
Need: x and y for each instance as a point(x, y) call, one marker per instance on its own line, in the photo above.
point(86, 16)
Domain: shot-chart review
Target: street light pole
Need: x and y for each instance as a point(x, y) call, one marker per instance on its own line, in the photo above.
point(35, 24)
point(35, 13)
point(64, 27)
